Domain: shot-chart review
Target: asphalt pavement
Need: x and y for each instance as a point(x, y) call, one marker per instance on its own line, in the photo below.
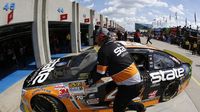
point(187, 101)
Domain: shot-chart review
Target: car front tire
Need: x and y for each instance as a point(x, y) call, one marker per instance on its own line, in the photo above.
point(46, 103)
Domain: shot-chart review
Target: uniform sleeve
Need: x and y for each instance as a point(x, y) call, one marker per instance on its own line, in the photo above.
point(102, 62)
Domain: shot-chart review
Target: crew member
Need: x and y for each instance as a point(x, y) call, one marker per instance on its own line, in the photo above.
point(137, 36)
point(114, 58)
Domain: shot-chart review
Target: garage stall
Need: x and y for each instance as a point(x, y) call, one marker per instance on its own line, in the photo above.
point(85, 21)
point(16, 45)
point(59, 22)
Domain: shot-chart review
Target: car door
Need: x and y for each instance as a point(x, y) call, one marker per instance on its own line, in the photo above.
point(142, 61)
point(161, 73)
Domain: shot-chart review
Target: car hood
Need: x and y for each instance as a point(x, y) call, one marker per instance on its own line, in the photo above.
point(44, 74)
point(63, 69)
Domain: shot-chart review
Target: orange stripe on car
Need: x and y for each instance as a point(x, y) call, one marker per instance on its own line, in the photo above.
point(101, 69)
point(125, 74)
point(151, 102)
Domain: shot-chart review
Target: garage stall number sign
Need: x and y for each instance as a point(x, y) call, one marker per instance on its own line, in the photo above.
point(11, 7)
point(10, 17)
point(44, 73)
point(87, 20)
point(167, 75)
point(63, 16)
point(8, 6)
point(60, 10)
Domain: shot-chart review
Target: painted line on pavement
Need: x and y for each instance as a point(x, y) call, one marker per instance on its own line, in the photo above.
point(13, 78)
point(196, 81)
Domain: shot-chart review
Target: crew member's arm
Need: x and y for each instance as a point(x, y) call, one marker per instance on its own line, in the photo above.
point(102, 65)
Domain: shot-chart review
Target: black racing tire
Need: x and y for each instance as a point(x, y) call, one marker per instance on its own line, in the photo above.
point(46, 103)
point(170, 91)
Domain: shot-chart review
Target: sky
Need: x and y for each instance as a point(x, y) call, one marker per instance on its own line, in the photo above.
point(160, 13)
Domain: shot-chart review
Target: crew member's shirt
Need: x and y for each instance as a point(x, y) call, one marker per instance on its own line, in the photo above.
point(114, 58)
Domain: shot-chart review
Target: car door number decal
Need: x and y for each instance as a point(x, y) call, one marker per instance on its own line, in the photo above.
point(167, 75)
point(44, 73)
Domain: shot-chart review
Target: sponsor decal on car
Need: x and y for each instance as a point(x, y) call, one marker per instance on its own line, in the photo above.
point(152, 94)
point(75, 84)
point(93, 101)
point(76, 87)
point(59, 86)
point(64, 93)
point(91, 90)
point(166, 75)
point(62, 90)
point(79, 97)
point(44, 73)
point(41, 89)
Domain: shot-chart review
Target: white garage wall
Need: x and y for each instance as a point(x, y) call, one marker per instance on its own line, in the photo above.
point(109, 23)
point(104, 20)
point(23, 11)
point(56, 8)
point(84, 13)
point(97, 18)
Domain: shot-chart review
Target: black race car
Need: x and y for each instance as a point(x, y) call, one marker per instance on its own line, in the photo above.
point(61, 85)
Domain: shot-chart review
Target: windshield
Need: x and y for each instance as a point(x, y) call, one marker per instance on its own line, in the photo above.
point(77, 67)
point(67, 69)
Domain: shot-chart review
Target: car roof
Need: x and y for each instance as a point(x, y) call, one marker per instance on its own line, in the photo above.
point(129, 45)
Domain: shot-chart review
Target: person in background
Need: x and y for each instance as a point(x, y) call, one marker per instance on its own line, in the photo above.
point(125, 36)
point(198, 47)
point(149, 37)
point(137, 36)
point(116, 60)
point(68, 42)
point(119, 35)
point(187, 45)
point(194, 48)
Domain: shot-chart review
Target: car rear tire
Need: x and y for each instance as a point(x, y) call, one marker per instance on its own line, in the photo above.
point(170, 91)
point(46, 103)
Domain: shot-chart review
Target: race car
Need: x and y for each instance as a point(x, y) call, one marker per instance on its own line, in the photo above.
point(62, 84)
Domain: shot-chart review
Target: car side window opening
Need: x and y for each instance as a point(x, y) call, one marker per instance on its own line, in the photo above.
point(141, 61)
point(162, 61)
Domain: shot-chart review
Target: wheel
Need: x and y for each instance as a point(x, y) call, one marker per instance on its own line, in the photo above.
point(46, 103)
point(170, 91)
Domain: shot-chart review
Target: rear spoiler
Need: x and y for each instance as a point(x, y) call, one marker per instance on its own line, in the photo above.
point(179, 56)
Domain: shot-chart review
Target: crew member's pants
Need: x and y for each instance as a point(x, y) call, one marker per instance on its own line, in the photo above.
point(124, 98)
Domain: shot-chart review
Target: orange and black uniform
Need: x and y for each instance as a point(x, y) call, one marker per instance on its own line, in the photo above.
point(114, 58)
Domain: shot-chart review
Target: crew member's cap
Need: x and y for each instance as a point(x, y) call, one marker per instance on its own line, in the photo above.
point(103, 32)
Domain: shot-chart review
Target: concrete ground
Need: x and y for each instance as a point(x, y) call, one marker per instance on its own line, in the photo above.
point(187, 101)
